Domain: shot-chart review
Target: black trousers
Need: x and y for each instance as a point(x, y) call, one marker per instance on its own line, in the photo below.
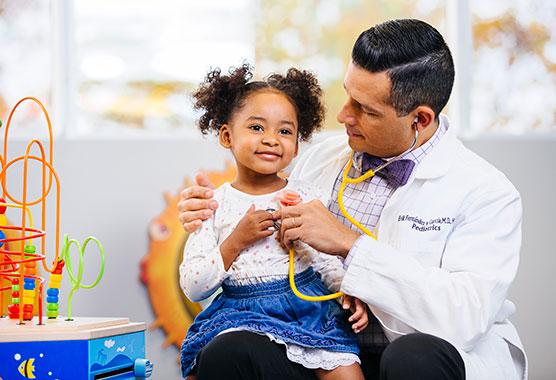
point(247, 356)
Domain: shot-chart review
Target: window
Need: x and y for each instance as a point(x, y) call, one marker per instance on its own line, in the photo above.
point(319, 34)
point(126, 68)
point(137, 60)
point(514, 66)
point(25, 63)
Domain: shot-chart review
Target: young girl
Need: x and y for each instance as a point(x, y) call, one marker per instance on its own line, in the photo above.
point(237, 249)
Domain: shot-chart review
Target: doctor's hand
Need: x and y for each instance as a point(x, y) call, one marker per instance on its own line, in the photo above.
point(314, 225)
point(196, 204)
point(359, 315)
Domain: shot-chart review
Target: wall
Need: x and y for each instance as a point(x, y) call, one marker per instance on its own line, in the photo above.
point(113, 189)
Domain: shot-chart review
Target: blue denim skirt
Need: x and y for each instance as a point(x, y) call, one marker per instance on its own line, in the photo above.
point(272, 308)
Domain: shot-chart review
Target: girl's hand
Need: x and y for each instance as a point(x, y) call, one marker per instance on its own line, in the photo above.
point(254, 226)
point(359, 310)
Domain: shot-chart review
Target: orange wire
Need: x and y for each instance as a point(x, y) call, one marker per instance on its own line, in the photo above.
point(45, 191)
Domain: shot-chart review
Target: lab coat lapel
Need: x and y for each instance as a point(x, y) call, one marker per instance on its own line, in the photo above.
point(435, 164)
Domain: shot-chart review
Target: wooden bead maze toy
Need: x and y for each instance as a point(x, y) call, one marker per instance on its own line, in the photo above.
point(50, 346)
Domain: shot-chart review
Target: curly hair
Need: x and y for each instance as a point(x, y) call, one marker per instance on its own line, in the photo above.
point(220, 96)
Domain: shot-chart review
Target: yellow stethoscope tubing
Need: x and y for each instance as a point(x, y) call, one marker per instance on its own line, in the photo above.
point(345, 181)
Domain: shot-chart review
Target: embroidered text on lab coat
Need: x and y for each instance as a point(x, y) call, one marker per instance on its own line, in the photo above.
point(434, 224)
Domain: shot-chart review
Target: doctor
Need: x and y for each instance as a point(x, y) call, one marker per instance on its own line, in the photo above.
point(448, 227)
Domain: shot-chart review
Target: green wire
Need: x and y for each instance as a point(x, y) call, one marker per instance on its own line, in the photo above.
point(76, 283)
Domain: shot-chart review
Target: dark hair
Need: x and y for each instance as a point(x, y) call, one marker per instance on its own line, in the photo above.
point(219, 96)
point(416, 58)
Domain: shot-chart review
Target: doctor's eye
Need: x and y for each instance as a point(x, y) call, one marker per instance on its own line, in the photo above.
point(366, 111)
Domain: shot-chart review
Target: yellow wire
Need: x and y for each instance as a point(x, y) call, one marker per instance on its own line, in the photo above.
point(345, 181)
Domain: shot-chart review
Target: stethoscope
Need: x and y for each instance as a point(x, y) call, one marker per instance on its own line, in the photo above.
point(345, 181)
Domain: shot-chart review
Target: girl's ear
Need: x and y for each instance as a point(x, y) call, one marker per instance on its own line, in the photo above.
point(225, 137)
point(296, 148)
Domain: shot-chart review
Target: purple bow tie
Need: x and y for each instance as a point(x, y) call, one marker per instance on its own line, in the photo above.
point(397, 173)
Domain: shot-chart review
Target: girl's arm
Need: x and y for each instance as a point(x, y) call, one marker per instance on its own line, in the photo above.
point(206, 263)
point(253, 227)
point(202, 269)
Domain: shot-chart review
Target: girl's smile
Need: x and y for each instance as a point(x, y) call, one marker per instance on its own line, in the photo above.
point(262, 136)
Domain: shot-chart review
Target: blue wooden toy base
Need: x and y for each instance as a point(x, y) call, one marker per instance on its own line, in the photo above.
point(86, 348)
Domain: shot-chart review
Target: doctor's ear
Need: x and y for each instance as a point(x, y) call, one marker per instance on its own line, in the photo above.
point(424, 116)
point(225, 136)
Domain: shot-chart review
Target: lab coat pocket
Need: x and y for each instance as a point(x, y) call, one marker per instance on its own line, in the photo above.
point(428, 252)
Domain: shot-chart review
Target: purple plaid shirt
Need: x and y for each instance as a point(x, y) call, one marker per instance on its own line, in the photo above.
point(365, 201)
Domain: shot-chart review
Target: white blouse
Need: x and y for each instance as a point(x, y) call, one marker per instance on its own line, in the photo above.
point(202, 269)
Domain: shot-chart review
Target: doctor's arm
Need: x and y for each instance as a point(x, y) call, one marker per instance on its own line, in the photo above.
point(463, 297)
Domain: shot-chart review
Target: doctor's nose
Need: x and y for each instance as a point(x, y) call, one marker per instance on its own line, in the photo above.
point(345, 114)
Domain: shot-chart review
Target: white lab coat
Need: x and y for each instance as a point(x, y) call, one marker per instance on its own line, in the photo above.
point(447, 252)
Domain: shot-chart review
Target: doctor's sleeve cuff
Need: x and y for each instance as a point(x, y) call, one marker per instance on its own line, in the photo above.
point(359, 243)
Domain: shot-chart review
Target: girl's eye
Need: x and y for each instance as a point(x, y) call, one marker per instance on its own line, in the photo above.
point(285, 132)
point(256, 127)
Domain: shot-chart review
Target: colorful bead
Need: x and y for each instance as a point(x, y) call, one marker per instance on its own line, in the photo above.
point(28, 300)
point(15, 300)
point(55, 285)
point(13, 308)
point(29, 249)
point(3, 207)
point(53, 292)
point(52, 306)
point(52, 313)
